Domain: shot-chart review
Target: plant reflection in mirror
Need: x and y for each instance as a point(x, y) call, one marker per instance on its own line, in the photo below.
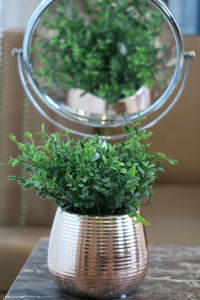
point(107, 48)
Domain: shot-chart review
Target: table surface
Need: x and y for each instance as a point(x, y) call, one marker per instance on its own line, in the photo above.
point(173, 274)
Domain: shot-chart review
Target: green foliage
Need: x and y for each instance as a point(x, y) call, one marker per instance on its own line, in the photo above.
point(90, 176)
point(109, 50)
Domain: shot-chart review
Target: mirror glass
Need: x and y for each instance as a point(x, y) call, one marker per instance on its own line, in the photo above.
point(96, 62)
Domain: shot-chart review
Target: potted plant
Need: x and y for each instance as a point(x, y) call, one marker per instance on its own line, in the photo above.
point(97, 246)
point(105, 49)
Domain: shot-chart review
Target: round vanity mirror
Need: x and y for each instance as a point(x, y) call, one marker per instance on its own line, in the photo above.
point(101, 63)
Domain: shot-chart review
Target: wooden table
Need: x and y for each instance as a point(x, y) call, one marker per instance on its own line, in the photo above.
point(174, 274)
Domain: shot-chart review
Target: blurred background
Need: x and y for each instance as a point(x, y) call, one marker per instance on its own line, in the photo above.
point(187, 15)
point(174, 212)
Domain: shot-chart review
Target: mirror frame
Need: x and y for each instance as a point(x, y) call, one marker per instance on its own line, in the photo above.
point(54, 105)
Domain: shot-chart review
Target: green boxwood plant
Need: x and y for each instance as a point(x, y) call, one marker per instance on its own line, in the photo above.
point(90, 176)
point(108, 49)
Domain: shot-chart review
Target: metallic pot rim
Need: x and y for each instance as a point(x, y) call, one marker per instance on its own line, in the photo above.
point(108, 217)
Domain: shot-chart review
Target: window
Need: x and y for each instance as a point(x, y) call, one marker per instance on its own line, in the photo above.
point(187, 14)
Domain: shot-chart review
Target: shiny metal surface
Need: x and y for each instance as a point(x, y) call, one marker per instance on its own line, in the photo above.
point(100, 257)
point(96, 109)
point(101, 120)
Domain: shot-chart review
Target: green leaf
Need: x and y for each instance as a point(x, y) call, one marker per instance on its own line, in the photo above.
point(11, 177)
point(161, 155)
point(104, 159)
point(28, 135)
point(132, 171)
point(172, 161)
point(139, 218)
point(43, 127)
point(12, 137)
point(15, 162)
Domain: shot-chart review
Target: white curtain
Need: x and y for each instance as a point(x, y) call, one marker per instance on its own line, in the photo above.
point(187, 13)
point(14, 14)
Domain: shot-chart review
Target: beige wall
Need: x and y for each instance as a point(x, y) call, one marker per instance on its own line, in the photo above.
point(178, 133)
point(16, 116)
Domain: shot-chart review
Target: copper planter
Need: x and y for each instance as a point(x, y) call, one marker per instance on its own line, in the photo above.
point(91, 104)
point(98, 257)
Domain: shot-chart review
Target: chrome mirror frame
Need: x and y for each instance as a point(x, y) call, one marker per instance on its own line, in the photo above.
point(31, 87)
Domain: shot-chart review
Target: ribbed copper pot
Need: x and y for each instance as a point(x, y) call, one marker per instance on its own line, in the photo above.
point(98, 257)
